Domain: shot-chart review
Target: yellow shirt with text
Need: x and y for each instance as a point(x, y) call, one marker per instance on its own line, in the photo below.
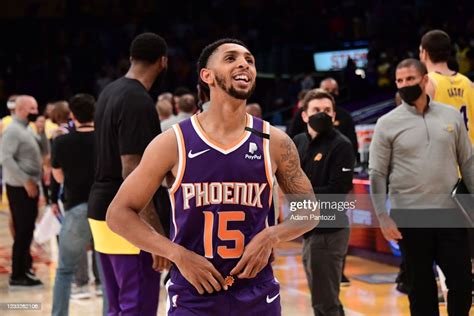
point(456, 90)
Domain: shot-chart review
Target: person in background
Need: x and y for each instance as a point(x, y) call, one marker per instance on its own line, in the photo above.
point(178, 93)
point(125, 122)
point(445, 85)
point(73, 166)
point(6, 120)
point(164, 109)
point(297, 125)
point(50, 126)
point(22, 167)
point(254, 109)
point(344, 122)
point(327, 158)
point(449, 87)
point(186, 109)
point(60, 115)
point(39, 129)
point(4, 124)
point(424, 219)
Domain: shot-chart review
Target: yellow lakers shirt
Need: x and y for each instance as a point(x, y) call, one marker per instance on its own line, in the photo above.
point(456, 90)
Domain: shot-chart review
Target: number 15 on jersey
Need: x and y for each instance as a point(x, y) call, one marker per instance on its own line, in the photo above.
point(222, 219)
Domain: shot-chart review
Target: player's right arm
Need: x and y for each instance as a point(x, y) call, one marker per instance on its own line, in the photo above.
point(160, 157)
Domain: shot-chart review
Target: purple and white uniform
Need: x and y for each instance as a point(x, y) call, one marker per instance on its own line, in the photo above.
point(221, 198)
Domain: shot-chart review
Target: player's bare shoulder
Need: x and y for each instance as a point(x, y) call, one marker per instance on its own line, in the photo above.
point(162, 152)
point(287, 168)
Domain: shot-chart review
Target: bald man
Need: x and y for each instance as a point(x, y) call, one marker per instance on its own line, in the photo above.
point(21, 160)
point(344, 122)
point(164, 109)
point(186, 108)
point(254, 109)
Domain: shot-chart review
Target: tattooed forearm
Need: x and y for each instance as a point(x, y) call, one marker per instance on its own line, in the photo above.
point(289, 174)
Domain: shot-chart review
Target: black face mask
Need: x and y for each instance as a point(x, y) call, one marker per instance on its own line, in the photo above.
point(32, 117)
point(321, 123)
point(410, 94)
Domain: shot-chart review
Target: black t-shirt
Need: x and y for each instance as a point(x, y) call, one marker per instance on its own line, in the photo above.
point(126, 121)
point(74, 154)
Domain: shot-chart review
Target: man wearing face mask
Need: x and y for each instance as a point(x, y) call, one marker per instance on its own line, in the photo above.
point(22, 164)
point(420, 146)
point(327, 158)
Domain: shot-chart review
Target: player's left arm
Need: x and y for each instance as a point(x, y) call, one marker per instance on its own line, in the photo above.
point(297, 186)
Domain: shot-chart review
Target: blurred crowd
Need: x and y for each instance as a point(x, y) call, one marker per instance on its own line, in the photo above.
point(64, 46)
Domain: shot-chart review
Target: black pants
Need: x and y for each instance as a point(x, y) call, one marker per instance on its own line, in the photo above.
point(323, 256)
point(449, 248)
point(24, 212)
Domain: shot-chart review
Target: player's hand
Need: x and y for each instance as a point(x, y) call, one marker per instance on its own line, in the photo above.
point(160, 263)
point(255, 257)
point(199, 271)
point(55, 209)
point(31, 188)
point(389, 228)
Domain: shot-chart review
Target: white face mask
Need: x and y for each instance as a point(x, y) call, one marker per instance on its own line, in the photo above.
point(11, 105)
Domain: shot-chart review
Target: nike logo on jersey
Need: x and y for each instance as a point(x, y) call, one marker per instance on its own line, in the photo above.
point(271, 299)
point(346, 169)
point(191, 155)
point(174, 300)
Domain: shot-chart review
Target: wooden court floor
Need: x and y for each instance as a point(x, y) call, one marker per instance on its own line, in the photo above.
point(358, 299)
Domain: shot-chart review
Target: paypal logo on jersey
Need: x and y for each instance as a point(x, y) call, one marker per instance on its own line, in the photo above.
point(252, 149)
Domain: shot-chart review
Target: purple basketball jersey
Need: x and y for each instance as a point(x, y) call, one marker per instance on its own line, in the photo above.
point(222, 197)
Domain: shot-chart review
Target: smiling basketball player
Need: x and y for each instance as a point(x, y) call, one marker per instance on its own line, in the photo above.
point(222, 162)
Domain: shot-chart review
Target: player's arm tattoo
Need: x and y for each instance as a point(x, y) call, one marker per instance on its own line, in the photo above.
point(289, 174)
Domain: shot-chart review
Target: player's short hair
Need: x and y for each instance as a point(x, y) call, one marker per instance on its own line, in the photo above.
point(318, 94)
point(415, 63)
point(207, 52)
point(437, 44)
point(82, 105)
point(148, 48)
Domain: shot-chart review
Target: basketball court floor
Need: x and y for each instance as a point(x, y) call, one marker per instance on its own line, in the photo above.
point(360, 298)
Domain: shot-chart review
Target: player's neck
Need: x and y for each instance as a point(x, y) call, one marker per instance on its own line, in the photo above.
point(225, 114)
point(441, 68)
point(138, 72)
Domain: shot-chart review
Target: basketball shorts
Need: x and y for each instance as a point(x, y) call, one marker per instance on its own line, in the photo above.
point(253, 299)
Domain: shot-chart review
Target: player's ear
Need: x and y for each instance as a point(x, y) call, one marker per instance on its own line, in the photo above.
point(207, 76)
point(164, 62)
point(304, 116)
